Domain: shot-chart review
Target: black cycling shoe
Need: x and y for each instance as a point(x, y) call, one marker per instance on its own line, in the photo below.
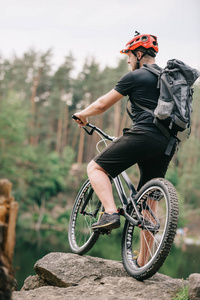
point(107, 221)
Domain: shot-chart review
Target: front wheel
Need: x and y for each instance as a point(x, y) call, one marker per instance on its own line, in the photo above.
point(84, 213)
point(145, 248)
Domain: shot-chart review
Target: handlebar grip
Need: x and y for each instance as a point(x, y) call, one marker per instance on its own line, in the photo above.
point(75, 118)
point(88, 132)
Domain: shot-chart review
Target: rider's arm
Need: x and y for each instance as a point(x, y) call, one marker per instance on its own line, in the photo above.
point(99, 106)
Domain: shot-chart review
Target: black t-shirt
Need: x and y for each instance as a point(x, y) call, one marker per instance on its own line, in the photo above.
point(141, 86)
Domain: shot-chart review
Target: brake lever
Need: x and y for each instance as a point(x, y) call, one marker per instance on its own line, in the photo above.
point(88, 132)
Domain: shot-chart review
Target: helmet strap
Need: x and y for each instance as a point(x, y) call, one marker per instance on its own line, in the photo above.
point(138, 63)
point(138, 60)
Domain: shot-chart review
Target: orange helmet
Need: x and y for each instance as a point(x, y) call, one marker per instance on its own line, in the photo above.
point(141, 40)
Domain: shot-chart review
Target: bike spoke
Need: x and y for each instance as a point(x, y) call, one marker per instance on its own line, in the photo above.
point(84, 214)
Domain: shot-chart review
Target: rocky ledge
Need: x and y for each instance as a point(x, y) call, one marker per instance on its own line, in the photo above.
point(69, 276)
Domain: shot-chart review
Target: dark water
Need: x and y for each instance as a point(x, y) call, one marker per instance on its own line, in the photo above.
point(31, 246)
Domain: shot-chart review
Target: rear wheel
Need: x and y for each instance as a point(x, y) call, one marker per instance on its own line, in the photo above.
point(84, 213)
point(145, 249)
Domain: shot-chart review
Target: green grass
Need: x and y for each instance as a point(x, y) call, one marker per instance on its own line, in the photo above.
point(182, 294)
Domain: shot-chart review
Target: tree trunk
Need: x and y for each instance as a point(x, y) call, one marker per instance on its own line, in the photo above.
point(75, 138)
point(8, 217)
point(36, 80)
point(37, 137)
point(51, 141)
point(41, 210)
point(65, 127)
point(59, 130)
point(81, 146)
point(117, 117)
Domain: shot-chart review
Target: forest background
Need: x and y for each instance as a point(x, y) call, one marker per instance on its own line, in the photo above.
point(44, 153)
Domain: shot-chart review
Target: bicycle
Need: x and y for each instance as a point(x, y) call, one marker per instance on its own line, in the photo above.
point(155, 228)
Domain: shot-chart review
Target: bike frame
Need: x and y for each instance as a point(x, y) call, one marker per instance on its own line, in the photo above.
point(118, 185)
point(123, 199)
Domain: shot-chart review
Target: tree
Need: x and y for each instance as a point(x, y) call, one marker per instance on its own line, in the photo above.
point(37, 134)
point(189, 156)
point(63, 83)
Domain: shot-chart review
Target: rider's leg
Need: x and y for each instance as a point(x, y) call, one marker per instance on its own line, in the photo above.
point(102, 186)
point(147, 237)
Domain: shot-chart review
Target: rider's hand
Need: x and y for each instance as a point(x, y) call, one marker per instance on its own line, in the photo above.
point(82, 121)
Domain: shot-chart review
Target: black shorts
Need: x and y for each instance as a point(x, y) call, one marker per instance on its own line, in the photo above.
point(145, 148)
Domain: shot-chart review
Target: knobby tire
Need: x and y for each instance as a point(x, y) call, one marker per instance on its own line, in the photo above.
point(80, 234)
point(162, 194)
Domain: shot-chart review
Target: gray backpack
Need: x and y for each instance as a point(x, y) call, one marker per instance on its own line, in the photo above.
point(174, 104)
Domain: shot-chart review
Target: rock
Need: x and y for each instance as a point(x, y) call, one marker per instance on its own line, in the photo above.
point(194, 286)
point(66, 269)
point(33, 282)
point(75, 277)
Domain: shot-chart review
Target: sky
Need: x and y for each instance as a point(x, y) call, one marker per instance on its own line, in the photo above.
point(99, 28)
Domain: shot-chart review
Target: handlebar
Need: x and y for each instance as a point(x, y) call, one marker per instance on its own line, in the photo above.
point(94, 128)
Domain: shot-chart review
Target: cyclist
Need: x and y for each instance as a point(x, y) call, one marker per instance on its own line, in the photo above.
point(143, 143)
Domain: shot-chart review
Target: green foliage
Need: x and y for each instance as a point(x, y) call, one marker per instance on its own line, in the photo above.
point(189, 171)
point(13, 119)
point(182, 294)
point(172, 174)
point(108, 247)
point(62, 219)
point(35, 172)
point(42, 175)
point(39, 142)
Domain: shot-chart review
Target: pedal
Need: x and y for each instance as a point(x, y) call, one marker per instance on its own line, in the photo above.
point(108, 232)
point(120, 211)
point(102, 231)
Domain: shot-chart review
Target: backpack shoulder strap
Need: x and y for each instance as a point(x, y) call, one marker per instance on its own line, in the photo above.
point(153, 69)
point(145, 108)
point(155, 121)
point(162, 128)
point(140, 106)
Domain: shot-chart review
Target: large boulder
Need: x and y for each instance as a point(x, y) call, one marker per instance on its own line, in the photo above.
point(194, 286)
point(70, 276)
